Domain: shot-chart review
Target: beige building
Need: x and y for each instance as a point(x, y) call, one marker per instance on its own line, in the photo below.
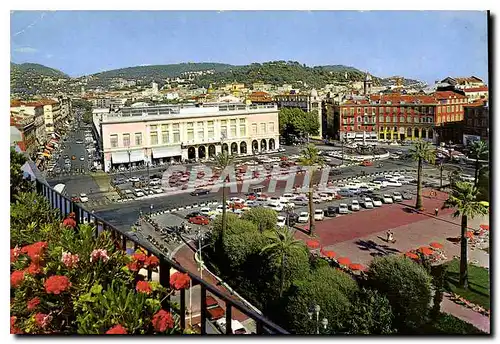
point(139, 135)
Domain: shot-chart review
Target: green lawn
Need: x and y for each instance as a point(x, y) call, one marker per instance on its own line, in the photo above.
point(479, 283)
point(447, 324)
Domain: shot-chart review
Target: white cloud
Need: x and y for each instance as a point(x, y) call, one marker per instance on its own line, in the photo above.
point(25, 50)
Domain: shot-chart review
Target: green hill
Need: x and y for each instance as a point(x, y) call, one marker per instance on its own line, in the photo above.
point(160, 71)
point(39, 69)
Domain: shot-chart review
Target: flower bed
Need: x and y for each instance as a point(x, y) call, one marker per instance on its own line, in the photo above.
point(70, 281)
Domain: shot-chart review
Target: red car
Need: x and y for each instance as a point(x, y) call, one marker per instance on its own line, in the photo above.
point(367, 163)
point(199, 220)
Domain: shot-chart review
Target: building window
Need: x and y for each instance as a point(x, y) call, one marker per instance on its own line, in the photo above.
point(154, 138)
point(176, 133)
point(201, 135)
point(263, 128)
point(431, 110)
point(359, 127)
point(359, 109)
point(344, 111)
point(429, 119)
point(401, 119)
point(254, 128)
point(153, 128)
point(381, 109)
point(271, 127)
point(365, 119)
point(352, 111)
point(415, 119)
point(223, 128)
point(211, 131)
point(233, 128)
point(126, 140)
point(359, 119)
point(394, 110)
point(164, 134)
point(461, 108)
point(138, 139)
point(388, 119)
point(190, 131)
point(447, 109)
point(381, 119)
point(114, 141)
point(439, 109)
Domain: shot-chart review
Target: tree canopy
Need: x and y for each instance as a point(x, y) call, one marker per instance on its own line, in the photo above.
point(294, 121)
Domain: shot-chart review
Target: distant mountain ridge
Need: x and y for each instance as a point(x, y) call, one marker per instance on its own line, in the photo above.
point(35, 78)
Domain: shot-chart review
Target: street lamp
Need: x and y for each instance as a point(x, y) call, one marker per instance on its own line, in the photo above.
point(150, 209)
point(129, 162)
point(314, 311)
point(199, 236)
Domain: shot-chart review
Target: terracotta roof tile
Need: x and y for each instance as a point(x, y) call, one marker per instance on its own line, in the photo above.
point(476, 89)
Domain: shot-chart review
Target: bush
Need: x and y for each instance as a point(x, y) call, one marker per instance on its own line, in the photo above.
point(447, 324)
point(264, 218)
point(406, 285)
point(329, 288)
point(370, 313)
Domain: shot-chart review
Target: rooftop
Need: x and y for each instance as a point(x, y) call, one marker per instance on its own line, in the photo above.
point(159, 112)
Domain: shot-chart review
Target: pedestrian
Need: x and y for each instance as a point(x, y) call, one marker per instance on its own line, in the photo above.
point(388, 235)
point(436, 212)
point(391, 236)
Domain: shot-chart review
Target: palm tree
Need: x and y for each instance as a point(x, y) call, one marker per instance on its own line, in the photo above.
point(310, 157)
point(478, 150)
point(222, 161)
point(463, 198)
point(281, 246)
point(420, 152)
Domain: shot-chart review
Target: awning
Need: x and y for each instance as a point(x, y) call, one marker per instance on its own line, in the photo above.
point(123, 157)
point(166, 152)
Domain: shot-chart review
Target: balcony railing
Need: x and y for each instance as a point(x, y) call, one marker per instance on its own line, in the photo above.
point(124, 240)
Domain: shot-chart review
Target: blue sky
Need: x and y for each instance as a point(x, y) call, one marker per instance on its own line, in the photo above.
point(426, 45)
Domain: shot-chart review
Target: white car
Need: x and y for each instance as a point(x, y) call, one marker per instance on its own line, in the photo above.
point(397, 196)
point(157, 190)
point(368, 203)
point(382, 183)
point(273, 200)
point(326, 197)
point(236, 326)
point(387, 199)
point(467, 178)
point(393, 182)
point(355, 205)
point(319, 214)
point(275, 206)
point(303, 217)
point(317, 199)
point(83, 198)
point(288, 196)
point(287, 204)
point(343, 208)
point(281, 221)
point(219, 208)
point(377, 202)
point(205, 211)
point(373, 186)
point(236, 200)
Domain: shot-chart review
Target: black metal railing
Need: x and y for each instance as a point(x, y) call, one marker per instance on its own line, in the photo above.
point(126, 241)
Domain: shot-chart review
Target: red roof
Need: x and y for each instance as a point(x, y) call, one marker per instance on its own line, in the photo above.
point(477, 89)
point(448, 94)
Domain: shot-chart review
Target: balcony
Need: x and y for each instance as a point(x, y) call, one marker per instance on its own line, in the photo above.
point(128, 242)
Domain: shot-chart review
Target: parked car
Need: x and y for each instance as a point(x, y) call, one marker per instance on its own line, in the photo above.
point(293, 218)
point(303, 217)
point(377, 201)
point(397, 196)
point(387, 199)
point(345, 193)
point(300, 201)
point(319, 214)
point(205, 211)
point(393, 182)
point(368, 203)
point(84, 198)
point(275, 206)
point(138, 193)
point(374, 186)
point(199, 220)
point(236, 326)
point(355, 205)
point(331, 211)
point(281, 221)
point(75, 198)
point(407, 196)
point(343, 208)
point(192, 214)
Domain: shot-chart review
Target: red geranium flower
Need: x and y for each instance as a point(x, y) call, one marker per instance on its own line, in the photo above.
point(69, 222)
point(162, 321)
point(33, 269)
point(16, 278)
point(14, 329)
point(179, 281)
point(33, 303)
point(57, 284)
point(152, 262)
point(14, 253)
point(35, 251)
point(42, 320)
point(143, 287)
point(140, 257)
point(117, 329)
point(134, 266)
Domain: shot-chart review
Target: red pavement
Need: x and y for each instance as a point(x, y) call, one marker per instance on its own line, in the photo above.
point(357, 225)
